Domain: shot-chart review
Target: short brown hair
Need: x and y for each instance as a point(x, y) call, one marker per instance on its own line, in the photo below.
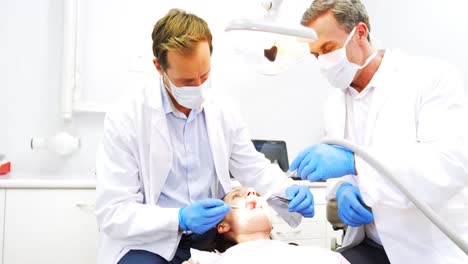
point(348, 13)
point(178, 31)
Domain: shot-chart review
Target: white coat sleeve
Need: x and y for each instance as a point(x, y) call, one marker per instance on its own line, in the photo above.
point(120, 206)
point(435, 167)
point(334, 184)
point(250, 167)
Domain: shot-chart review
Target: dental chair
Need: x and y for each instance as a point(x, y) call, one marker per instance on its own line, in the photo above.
point(335, 221)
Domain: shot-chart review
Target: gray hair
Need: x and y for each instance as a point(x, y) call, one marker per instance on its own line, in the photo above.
point(348, 13)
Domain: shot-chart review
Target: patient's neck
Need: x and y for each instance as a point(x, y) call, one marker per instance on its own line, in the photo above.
point(252, 237)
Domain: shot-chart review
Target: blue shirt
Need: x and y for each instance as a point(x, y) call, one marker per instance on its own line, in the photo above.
point(192, 173)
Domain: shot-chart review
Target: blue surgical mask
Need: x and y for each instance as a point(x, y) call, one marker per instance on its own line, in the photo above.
point(191, 97)
point(336, 67)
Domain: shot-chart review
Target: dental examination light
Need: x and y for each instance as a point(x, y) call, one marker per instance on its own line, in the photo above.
point(271, 23)
point(301, 32)
point(281, 42)
point(424, 208)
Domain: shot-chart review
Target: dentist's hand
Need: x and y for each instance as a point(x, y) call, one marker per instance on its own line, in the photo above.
point(201, 216)
point(322, 162)
point(351, 208)
point(302, 200)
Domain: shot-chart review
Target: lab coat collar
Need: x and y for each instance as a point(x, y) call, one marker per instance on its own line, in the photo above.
point(218, 151)
point(384, 84)
point(159, 140)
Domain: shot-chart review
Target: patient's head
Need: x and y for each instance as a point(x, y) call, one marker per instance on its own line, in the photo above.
point(250, 221)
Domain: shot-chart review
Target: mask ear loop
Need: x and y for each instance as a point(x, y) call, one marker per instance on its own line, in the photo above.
point(168, 80)
point(370, 58)
point(376, 49)
point(351, 34)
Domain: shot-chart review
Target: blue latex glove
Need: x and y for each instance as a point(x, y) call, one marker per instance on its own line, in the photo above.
point(351, 208)
point(201, 216)
point(302, 200)
point(322, 162)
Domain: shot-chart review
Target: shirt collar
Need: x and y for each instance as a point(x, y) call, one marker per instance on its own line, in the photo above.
point(358, 95)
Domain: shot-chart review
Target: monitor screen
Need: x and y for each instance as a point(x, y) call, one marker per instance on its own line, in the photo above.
point(274, 150)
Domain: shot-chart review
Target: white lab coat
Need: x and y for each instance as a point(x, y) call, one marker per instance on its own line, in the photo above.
point(417, 127)
point(134, 159)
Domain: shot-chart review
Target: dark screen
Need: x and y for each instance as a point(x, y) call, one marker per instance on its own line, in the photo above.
point(275, 151)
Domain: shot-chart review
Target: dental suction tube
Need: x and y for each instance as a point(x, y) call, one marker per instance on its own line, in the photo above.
point(424, 208)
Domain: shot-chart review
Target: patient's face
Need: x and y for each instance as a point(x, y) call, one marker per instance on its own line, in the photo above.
point(253, 215)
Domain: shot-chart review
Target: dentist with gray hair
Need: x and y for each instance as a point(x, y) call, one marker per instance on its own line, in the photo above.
point(408, 112)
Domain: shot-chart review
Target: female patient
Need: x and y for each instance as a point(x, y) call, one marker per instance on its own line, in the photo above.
point(246, 229)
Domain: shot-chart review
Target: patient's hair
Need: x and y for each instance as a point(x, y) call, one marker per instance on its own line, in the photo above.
point(222, 243)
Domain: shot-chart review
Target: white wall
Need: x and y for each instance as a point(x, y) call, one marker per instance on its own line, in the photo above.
point(115, 48)
point(423, 27)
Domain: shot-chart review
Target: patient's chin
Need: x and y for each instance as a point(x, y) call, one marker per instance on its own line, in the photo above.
point(258, 221)
point(252, 221)
point(260, 225)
